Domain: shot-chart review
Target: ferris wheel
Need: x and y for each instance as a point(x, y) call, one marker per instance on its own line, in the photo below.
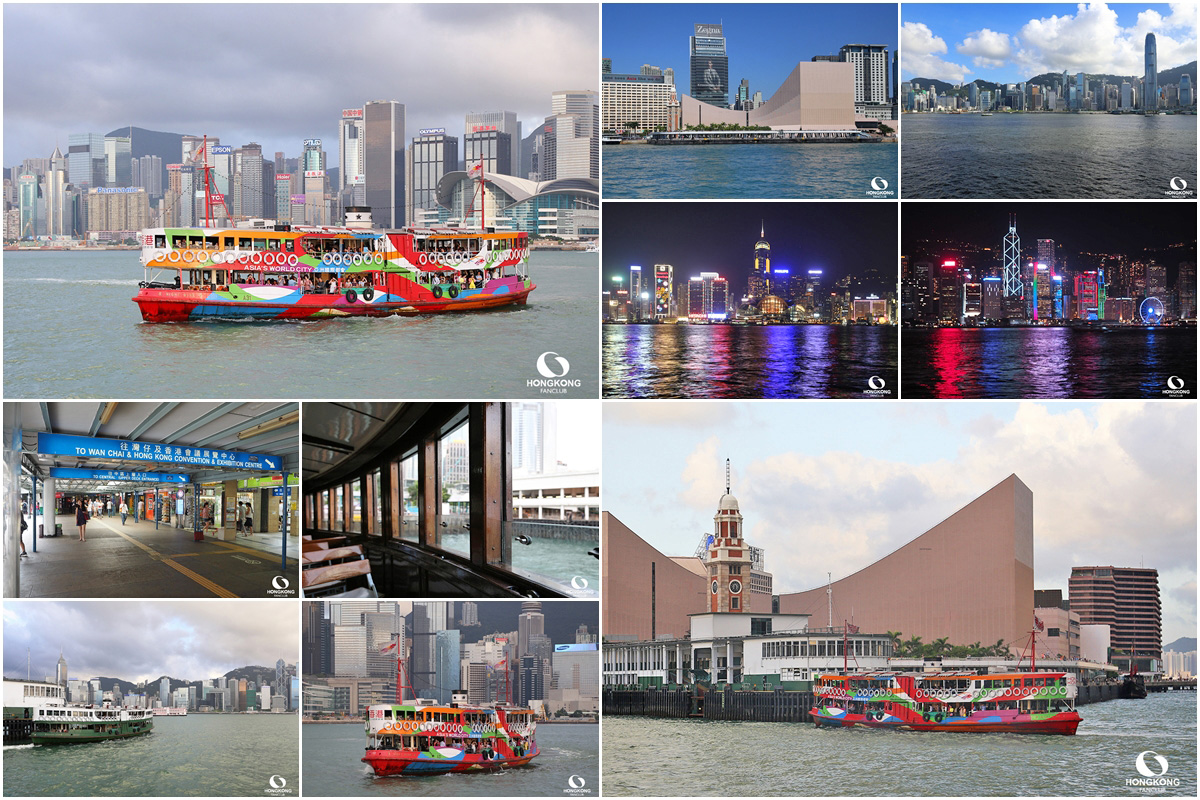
point(1151, 311)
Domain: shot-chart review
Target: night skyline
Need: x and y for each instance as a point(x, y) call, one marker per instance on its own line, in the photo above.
point(1122, 227)
point(720, 237)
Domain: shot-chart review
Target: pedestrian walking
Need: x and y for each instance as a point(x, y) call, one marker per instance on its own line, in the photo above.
point(124, 512)
point(81, 518)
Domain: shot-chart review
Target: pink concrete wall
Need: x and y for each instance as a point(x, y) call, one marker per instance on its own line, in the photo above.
point(969, 578)
point(817, 95)
point(626, 563)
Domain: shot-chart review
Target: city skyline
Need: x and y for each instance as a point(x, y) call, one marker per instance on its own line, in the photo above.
point(871, 481)
point(1082, 227)
point(720, 237)
point(142, 641)
point(43, 107)
point(764, 42)
point(1010, 43)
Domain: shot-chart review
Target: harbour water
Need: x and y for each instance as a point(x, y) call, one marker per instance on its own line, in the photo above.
point(797, 759)
point(332, 767)
point(1048, 362)
point(200, 755)
point(760, 171)
point(70, 330)
point(1043, 156)
point(565, 561)
point(744, 361)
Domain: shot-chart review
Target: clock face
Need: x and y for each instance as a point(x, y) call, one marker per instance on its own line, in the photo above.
point(714, 587)
point(735, 586)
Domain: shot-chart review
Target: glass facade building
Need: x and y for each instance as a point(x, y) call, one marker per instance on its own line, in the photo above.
point(710, 65)
point(431, 156)
point(383, 162)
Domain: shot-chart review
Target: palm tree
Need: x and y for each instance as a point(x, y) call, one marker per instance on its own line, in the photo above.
point(896, 645)
point(939, 647)
point(914, 648)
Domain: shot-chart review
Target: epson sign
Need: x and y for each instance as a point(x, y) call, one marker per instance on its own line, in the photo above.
point(222, 149)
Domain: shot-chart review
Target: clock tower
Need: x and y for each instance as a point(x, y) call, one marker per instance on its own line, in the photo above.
point(728, 557)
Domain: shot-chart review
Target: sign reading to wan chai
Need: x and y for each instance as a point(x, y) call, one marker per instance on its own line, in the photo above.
point(60, 444)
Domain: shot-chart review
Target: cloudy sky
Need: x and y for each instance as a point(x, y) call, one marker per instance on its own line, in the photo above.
point(832, 487)
point(280, 73)
point(139, 640)
point(1009, 43)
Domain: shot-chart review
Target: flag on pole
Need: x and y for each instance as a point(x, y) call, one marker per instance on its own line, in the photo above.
point(475, 170)
point(851, 628)
point(1038, 623)
point(389, 648)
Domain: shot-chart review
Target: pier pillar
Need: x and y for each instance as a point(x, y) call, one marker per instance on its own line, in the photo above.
point(12, 502)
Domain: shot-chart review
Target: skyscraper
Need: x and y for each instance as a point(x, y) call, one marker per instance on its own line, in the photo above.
point(535, 437)
point(708, 297)
point(383, 162)
point(504, 121)
point(430, 156)
point(663, 281)
point(247, 181)
point(760, 274)
point(85, 160)
point(60, 671)
point(1150, 101)
point(1012, 262)
point(870, 72)
point(710, 65)
point(60, 217)
point(571, 136)
point(351, 183)
point(531, 622)
point(1127, 600)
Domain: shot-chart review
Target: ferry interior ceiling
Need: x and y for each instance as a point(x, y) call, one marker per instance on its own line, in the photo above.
point(443, 499)
point(152, 499)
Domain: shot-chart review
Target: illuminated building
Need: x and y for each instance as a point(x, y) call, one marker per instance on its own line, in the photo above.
point(1012, 262)
point(663, 274)
point(1087, 296)
point(871, 309)
point(993, 298)
point(635, 293)
point(760, 275)
point(708, 297)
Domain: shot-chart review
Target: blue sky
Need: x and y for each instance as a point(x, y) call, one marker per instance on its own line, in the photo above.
point(1008, 43)
point(833, 486)
point(764, 41)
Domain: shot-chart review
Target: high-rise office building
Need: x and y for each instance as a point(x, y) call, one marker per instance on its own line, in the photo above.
point(431, 155)
point(383, 630)
point(383, 162)
point(531, 622)
point(247, 181)
point(534, 437)
point(571, 136)
point(60, 217)
point(760, 273)
point(85, 160)
point(447, 652)
point(709, 64)
point(491, 148)
point(708, 297)
point(870, 71)
point(118, 153)
point(1127, 600)
point(428, 619)
point(1150, 100)
point(663, 282)
point(351, 181)
point(350, 650)
point(504, 121)
point(317, 646)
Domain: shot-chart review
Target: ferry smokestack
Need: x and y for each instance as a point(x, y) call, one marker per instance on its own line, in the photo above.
point(358, 217)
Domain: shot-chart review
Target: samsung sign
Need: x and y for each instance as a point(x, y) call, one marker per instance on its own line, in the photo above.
point(574, 648)
point(59, 444)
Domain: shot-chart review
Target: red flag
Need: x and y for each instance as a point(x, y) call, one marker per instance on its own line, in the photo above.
point(391, 646)
point(851, 628)
point(1038, 623)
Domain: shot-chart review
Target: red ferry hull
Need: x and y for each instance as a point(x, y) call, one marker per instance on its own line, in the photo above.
point(182, 305)
point(1063, 724)
point(412, 762)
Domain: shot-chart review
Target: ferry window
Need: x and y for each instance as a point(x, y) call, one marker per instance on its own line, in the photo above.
point(160, 240)
point(244, 243)
point(355, 497)
point(289, 245)
point(210, 241)
point(411, 484)
point(454, 471)
point(260, 244)
point(273, 245)
point(339, 508)
point(376, 528)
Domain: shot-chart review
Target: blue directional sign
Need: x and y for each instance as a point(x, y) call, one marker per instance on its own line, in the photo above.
point(61, 444)
point(118, 475)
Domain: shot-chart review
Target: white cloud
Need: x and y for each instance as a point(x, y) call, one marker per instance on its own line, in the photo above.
point(1092, 40)
point(987, 47)
point(918, 55)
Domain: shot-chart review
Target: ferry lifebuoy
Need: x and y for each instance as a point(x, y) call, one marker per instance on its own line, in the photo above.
point(173, 255)
point(188, 255)
point(453, 291)
point(368, 294)
point(327, 259)
point(379, 258)
point(256, 258)
point(437, 292)
point(218, 257)
point(351, 296)
point(293, 260)
point(423, 259)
